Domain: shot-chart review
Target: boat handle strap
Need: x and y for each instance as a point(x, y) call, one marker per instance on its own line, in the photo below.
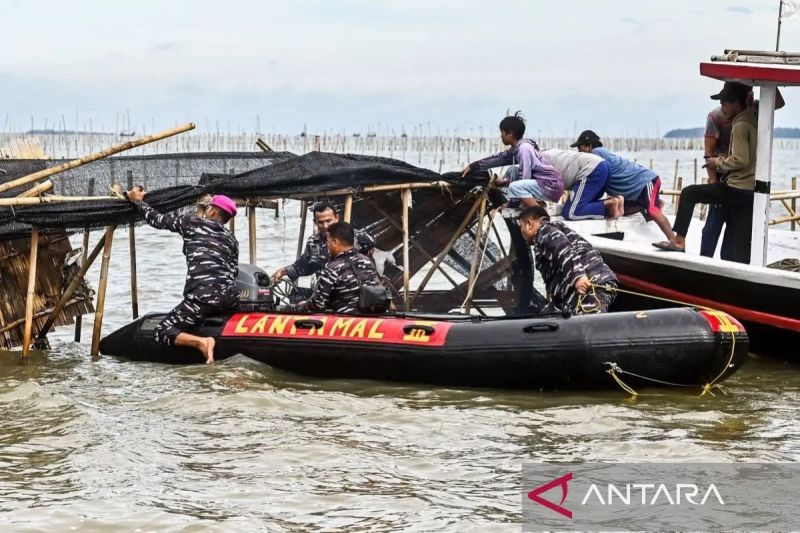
point(539, 328)
point(308, 323)
point(410, 328)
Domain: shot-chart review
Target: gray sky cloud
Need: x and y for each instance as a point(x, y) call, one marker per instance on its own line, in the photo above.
point(351, 64)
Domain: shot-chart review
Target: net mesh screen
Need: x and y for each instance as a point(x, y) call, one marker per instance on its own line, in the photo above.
point(173, 183)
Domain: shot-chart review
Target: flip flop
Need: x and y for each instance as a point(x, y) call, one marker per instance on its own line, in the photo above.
point(667, 246)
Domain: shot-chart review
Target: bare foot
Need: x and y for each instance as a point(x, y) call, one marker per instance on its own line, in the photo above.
point(208, 349)
point(620, 206)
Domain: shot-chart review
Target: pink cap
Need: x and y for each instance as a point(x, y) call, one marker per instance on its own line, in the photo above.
point(224, 203)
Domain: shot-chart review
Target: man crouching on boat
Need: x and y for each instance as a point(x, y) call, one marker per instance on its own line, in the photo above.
point(574, 273)
point(339, 283)
point(212, 260)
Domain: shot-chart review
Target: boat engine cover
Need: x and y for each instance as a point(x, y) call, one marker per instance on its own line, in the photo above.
point(255, 289)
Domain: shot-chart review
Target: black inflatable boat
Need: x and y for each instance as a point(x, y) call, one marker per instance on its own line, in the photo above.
point(660, 347)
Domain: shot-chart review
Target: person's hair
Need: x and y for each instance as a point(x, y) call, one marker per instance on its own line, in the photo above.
point(514, 124)
point(323, 206)
point(342, 232)
point(224, 215)
point(534, 213)
point(596, 143)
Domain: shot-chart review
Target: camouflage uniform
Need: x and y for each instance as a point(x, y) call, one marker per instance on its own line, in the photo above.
point(212, 260)
point(338, 286)
point(562, 256)
point(315, 256)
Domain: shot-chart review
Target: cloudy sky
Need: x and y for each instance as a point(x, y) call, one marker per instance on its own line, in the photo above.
point(618, 66)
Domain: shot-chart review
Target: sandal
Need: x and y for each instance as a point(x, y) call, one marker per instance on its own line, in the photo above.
point(668, 246)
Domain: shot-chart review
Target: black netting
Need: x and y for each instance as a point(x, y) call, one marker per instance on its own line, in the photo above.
point(278, 174)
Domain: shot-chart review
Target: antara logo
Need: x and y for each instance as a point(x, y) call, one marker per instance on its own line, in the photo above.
point(645, 494)
point(558, 482)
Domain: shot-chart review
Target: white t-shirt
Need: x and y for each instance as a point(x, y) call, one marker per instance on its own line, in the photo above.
point(571, 164)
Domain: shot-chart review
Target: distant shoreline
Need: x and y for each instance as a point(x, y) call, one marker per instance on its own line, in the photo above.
point(694, 133)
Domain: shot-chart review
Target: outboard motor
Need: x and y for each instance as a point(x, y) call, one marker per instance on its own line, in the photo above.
point(255, 289)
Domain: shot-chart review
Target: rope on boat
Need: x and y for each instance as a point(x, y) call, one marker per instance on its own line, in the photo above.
point(614, 370)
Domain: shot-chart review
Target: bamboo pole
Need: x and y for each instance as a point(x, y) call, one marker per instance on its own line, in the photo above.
point(79, 318)
point(53, 199)
point(348, 207)
point(794, 202)
point(101, 293)
point(782, 220)
point(71, 288)
point(787, 195)
point(301, 237)
point(476, 252)
point(95, 156)
point(36, 190)
point(251, 233)
point(695, 171)
point(406, 199)
point(453, 239)
point(443, 185)
point(788, 208)
point(414, 242)
point(263, 146)
point(132, 248)
point(34, 256)
point(678, 198)
point(675, 181)
point(38, 314)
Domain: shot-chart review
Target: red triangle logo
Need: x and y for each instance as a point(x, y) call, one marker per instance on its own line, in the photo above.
point(562, 481)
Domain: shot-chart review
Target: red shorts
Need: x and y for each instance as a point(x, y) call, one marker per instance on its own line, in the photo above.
point(649, 198)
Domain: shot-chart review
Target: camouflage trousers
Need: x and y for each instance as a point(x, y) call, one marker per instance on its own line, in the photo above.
point(186, 314)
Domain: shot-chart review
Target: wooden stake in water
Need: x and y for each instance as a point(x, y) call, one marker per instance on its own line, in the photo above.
point(348, 207)
point(251, 233)
point(79, 318)
point(132, 248)
point(101, 292)
point(794, 202)
point(28, 331)
point(473, 270)
point(406, 198)
point(232, 221)
point(675, 180)
point(301, 237)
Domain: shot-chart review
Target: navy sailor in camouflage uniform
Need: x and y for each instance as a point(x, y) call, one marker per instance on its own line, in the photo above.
point(339, 282)
point(573, 272)
point(315, 256)
point(212, 260)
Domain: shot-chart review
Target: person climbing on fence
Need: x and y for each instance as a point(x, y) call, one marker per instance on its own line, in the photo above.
point(585, 176)
point(212, 261)
point(639, 186)
point(530, 180)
